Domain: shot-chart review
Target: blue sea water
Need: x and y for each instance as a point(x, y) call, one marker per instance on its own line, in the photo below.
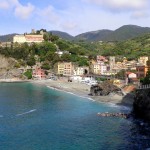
point(34, 117)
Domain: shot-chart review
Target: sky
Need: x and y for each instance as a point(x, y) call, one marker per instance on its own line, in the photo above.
point(71, 16)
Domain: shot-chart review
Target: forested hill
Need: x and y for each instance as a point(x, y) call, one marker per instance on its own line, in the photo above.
point(94, 35)
point(63, 35)
point(7, 38)
point(132, 49)
point(123, 33)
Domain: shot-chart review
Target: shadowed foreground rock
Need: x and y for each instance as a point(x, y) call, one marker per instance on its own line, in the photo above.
point(141, 105)
point(104, 89)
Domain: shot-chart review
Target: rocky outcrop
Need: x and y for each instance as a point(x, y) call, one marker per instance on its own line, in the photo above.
point(104, 89)
point(7, 69)
point(6, 63)
point(141, 105)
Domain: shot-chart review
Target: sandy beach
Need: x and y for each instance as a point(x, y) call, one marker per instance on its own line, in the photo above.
point(82, 89)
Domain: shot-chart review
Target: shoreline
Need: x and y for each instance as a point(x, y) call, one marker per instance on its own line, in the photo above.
point(83, 90)
point(80, 89)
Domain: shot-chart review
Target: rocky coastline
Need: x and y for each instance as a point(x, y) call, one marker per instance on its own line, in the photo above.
point(141, 105)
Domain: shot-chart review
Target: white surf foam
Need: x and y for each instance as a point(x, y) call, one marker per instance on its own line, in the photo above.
point(26, 112)
point(70, 93)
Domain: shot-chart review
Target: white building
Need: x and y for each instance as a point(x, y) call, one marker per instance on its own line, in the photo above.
point(80, 71)
point(29, 38)
point(143, 60)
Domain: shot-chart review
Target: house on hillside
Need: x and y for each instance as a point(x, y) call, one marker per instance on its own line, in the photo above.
point(65, 68)
point(39, 74)
point(131, 77)
point(80, 71)
point(101, 59)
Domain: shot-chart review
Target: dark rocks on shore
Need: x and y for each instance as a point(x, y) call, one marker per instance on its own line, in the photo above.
point(106, 114)
point(104, 89)
point(141, 105)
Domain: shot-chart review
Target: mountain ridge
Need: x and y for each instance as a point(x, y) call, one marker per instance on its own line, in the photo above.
point(122, 33)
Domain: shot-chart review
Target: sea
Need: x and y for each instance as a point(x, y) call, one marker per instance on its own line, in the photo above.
point(36, 117)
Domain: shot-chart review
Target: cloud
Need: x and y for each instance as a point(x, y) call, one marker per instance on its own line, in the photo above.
point(48, 14)
point(139, 15)
point(120, 5)
point(70, 25)
point(7, 4)
point(17, 8)
point(4, 5)
point(23, 12)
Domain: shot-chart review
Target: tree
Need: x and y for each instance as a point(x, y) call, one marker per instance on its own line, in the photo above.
point(31, 61)
point(28, 74)
point(66, 57)
point(45, 66)
point(146, 80)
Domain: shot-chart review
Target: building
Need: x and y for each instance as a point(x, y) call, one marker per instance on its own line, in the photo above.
point(29, 38)
point(60, 53)
point(101, 59)
point(141, 71)
point(38, 73)
point(95, 68)
point(98, 68)
point(112, 62)
point(80, 71)
point(65, 68)
point(130, 77)
point(143, 68)
point(103, 69)
point(5, 44)
point(143, 60)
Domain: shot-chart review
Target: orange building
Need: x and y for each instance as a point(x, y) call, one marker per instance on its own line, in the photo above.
point(65, 68)
point(141, 71)
point(38, 73)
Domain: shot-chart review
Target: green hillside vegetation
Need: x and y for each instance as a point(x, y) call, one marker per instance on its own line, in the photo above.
point(132, 49)
point(121, 34)
point(45, 52)
point(7, 38)
point(93, 35)
point(78, 52)
point(127, 32)
point(62, 35)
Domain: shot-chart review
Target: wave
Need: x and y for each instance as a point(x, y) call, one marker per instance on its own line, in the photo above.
point(91, 99)
point(82, 96)
point(121, 107)
point(26, 112)
point(1, 116)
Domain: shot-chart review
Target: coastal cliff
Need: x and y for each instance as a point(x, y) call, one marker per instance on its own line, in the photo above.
point(7, 68)
point(141, 105)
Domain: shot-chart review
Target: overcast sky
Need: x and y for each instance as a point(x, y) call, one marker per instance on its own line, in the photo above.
point(71, 16)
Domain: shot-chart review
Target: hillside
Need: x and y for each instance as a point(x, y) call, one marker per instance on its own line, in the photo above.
point(123, 33)
point(7, 38)
point(93, 35)
point(132, 48)
point(127, 32)
point(62, 35)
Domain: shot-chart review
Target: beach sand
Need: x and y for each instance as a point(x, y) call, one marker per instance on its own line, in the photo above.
point(82, 89)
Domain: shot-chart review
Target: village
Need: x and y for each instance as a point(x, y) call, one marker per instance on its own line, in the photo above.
point(102, 68)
